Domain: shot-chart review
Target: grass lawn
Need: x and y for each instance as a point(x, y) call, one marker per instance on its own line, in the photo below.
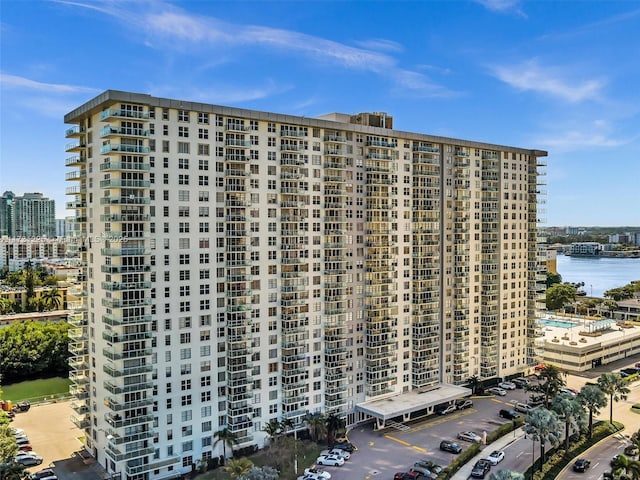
point(36, 390)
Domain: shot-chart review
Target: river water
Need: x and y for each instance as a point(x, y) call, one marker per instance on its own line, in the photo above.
point(599, 274)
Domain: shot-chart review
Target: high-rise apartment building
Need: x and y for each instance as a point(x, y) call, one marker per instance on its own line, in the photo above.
point(31, 215)
point(243, 266)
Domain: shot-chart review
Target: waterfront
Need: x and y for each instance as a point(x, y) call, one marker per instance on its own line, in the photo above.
point(599, 274)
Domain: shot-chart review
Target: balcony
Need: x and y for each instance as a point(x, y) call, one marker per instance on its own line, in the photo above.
point(121, 113)
point(124, 183)
point(117, 286)
point(237, 143)
point(110, 131)
point(75, 146)
point(119, 166)
point(130, 200)
point(124, 251)
point(75, 131)
point(123, 148)
point(75, 161)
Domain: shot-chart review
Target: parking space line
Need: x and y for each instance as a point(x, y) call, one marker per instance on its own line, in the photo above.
point(402, 442)
point(420, 449)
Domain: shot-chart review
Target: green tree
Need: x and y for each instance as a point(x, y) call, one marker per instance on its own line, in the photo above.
point(227, 437)
point(9, 470)
point(29, 283)
point(316, 425)
point(6, 306)
point(261, 473)
point(624, 467)
point(593, 399)
point(553, 279)
point(237, 467)
point(506, 475)
point(51, 298)
point(621, 293)
point(549, 384)
point(544, 426)
point(272, 428)
point(610, 305)
point(559, 295)
point(616, 387)
point(571, 411)
point(334, 424)
point(473, 382)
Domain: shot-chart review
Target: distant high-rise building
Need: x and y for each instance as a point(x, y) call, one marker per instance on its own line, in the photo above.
point(245, 266)
point(63, 227)
point(31, 215)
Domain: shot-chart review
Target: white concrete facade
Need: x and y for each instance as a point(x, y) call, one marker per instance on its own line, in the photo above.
point(243, 266)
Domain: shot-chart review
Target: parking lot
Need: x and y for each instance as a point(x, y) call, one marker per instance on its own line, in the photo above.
point(55, 438)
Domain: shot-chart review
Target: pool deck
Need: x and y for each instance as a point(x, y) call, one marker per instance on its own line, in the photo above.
point(574, 348)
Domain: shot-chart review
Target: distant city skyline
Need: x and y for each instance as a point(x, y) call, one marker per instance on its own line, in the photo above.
point(557, 76)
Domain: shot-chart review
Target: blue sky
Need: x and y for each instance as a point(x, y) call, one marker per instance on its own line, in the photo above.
point(558, 76)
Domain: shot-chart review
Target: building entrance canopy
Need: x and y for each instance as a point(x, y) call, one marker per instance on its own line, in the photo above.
point(405, 404)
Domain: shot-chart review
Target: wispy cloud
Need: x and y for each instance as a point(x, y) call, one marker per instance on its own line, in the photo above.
point(14, 81)
point(595, 134)
point(531, 76)
point(589, 28)
point(503, 6)
point(169, 27)
point(222, 94)
point(380, 44)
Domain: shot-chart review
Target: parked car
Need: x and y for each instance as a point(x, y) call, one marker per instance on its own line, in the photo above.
point(25, 447)
point(497, 391)
point(346, 446)
point(28, 459)
point(495, 457)
point(509, 414)
point(22, 440)
point(336, 451)
point(521, 382)
point(523, 407)
point(568, 391)
point(463, 403)
point(536, 400)
point(16, 432)
point(581, 465)
point(424, 472)
point(433, 467)
point(406, 476)
point(470, 437)
point(507, 385)
point(630, 451)
point(318, 473)
point(480, 469)
point(448, 409)
point(40, 474)
point(331, 460)
point(449, 446)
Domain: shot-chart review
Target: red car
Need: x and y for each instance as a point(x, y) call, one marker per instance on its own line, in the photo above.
point(25, 448)
point(406, 476)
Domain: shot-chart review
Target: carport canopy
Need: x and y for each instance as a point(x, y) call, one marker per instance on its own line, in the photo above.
point(405, 404)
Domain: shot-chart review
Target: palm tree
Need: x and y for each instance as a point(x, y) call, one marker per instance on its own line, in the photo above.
point(51, 298)
point(473, 382)
point(616, 387)
point(550, 383)
point(624, 467)
point(286, 425)
point(237, 467)
point(227, 437)
point(593, 399)
point(506, 475)
point(569, 409)
point(544, 426)
point(334, 423)
point(272, 428)
point(316, 425)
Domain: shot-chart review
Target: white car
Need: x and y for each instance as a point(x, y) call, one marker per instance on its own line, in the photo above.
point(448, 409)
point(28, 459)
point(523, 407)
point(311, 476)
point(337, 452)
point(507, 385)
point(470, 437)
point(321, 474)
point(495, 457)
point(497, 391)
point(330, 460)
point(18, 432)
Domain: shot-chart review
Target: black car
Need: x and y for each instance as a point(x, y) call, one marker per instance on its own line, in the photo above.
point(346, 446)
point(581, 465)
point(521, 382)
point(434, 467)
point(509, 414)
point(481, 468)
point(449, 446)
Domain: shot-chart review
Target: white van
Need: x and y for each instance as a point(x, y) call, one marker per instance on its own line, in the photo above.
point(523, 408)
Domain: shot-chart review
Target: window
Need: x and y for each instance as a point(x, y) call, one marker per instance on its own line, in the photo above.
point(183, 163)
point(183, 116)
point(183, 147)
point(203, 149)
point(203, 118)
point(183, 179)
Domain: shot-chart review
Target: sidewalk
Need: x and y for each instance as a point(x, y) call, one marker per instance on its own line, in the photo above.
point(465, 472)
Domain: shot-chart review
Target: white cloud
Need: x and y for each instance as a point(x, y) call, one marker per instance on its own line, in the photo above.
point(503, 6)
point(222, 94)
point(14, 81)
point(380, 44)
point(595, 134)
point(169, 27)
point(550, 80)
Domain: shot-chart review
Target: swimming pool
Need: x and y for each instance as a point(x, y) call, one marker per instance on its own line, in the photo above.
point(557, 323)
